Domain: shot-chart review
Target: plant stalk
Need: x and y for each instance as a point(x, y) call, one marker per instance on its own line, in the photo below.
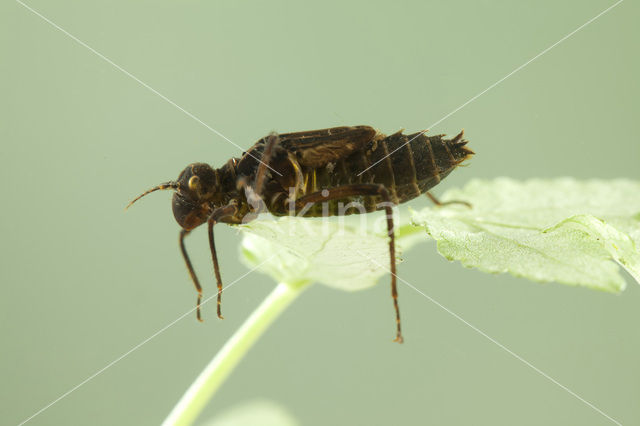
point(211, 378)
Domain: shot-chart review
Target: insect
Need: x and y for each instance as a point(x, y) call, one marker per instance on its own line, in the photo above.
point(298, 173)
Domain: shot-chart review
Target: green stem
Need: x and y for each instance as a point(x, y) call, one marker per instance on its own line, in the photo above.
point(208, 382)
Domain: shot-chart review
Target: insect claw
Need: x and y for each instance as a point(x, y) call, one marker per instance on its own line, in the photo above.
point(398, 339)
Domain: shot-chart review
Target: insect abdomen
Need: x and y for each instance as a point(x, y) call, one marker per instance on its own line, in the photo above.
point(407, 170)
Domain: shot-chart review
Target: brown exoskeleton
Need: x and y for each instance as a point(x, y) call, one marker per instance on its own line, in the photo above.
point(294, 173)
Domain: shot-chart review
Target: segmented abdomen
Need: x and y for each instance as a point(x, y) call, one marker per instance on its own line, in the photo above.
point(407, 165)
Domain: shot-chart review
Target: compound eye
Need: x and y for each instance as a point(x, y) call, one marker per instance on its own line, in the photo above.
point(194, 183)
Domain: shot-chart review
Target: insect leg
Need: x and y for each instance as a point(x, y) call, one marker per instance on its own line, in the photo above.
point(216, 268)
point(218, 214)
point(272, 141)
point(367, 189)
point(192, 273)
point(444, 203)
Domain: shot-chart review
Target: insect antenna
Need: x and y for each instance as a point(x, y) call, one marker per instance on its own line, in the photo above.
point(166, 185)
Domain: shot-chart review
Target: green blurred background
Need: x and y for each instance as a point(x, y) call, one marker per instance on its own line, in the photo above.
point(83, 282)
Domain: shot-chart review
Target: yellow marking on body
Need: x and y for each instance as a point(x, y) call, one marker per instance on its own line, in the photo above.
point(300, 180)
point(314, 187)
point(306, 183)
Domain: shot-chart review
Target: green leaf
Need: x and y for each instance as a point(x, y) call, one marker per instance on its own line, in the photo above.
point(562, 230)
point(341, 255)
